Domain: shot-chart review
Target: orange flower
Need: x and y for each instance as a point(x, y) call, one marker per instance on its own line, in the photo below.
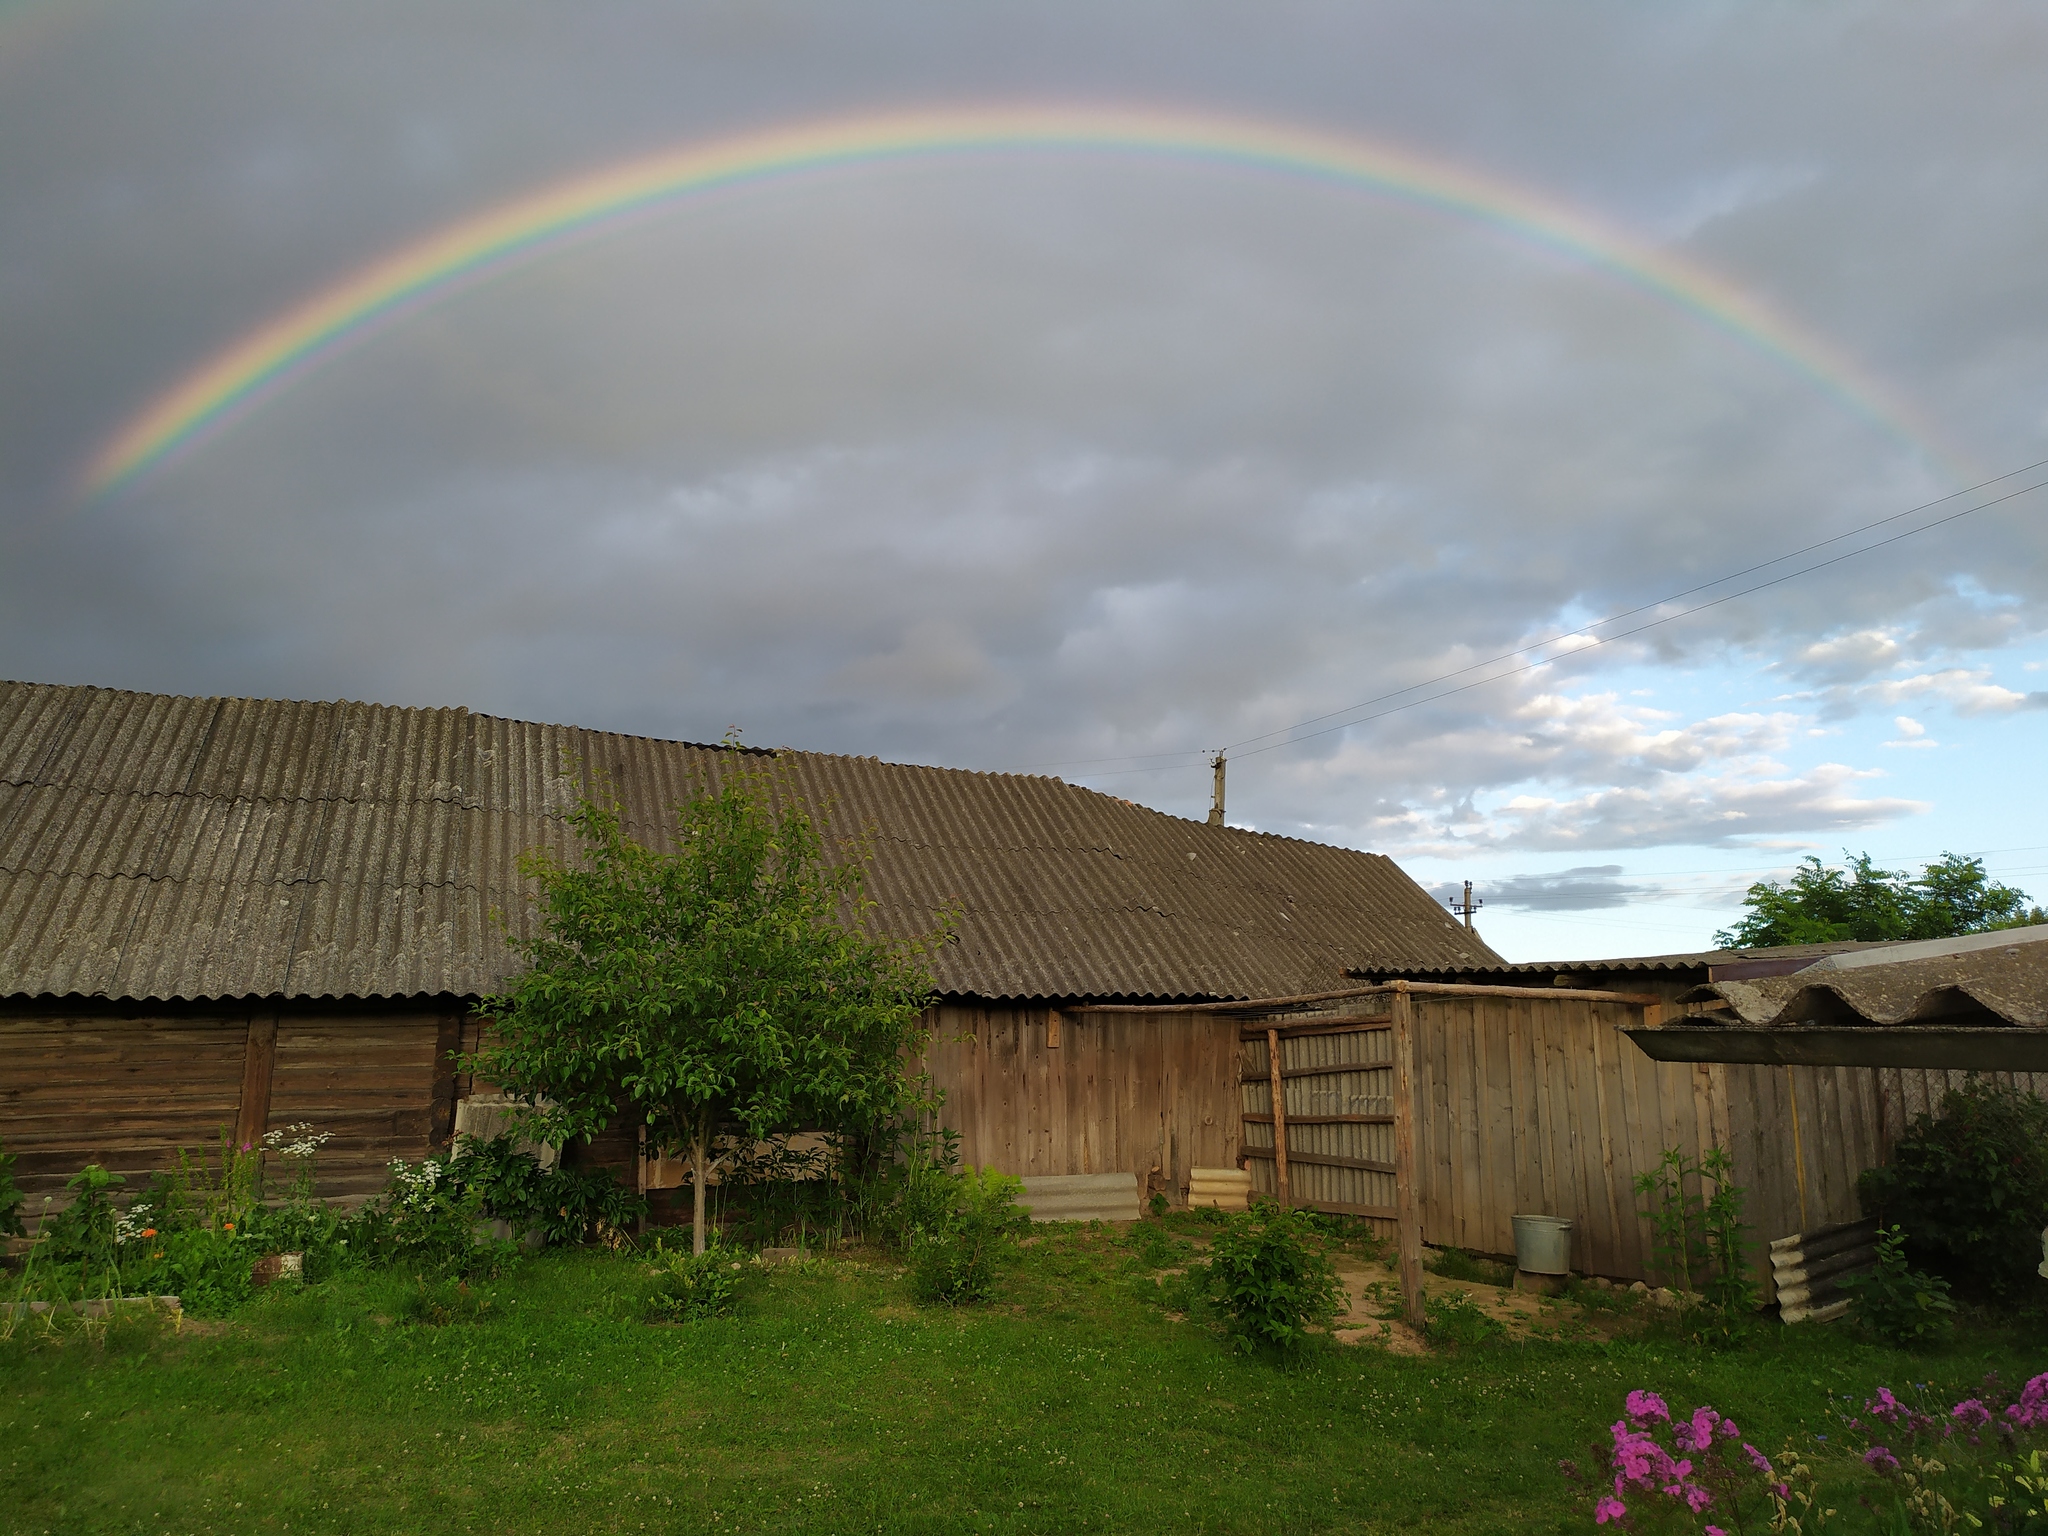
point(227, 1226)
point(149, 1231)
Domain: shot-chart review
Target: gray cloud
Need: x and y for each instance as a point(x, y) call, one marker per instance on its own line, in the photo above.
point(1587, 888)
point(1063, 460)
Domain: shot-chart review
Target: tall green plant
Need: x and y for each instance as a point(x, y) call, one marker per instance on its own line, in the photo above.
point(86, 1233)
point(1695, 1215)
point(730, 985)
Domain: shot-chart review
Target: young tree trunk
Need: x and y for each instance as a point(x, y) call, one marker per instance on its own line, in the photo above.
point(699, 1172)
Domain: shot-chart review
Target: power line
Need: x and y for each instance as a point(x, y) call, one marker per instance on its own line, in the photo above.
point(1290, 739)
point(1594, 645)
point(1672, 598)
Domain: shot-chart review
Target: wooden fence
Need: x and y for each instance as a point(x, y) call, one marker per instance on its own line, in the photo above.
point(1531, 1101)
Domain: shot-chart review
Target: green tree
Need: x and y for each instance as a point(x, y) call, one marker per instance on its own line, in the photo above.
point(731, 985)
point(1823, 904)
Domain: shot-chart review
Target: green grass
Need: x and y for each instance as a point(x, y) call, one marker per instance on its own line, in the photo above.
point(828, 1403)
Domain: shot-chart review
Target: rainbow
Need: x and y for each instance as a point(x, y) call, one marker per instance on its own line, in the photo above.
point(285, 348)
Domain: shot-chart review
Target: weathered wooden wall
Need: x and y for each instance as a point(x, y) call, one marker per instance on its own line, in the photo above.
point(1544, 1106)
point(1120, 1092)
point(1540, 1105)
point(126, 1087)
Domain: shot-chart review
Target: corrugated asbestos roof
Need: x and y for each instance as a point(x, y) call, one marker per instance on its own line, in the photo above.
point(2005, 984)
point(162, 847)
point(1696, 960)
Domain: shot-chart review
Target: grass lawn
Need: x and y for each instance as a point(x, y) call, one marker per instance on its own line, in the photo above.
point(829, 1403)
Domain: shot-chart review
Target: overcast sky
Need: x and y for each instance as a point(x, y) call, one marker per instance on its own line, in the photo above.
point(1083, 462)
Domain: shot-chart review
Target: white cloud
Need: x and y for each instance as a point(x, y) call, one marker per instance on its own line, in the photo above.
point(1911, 734)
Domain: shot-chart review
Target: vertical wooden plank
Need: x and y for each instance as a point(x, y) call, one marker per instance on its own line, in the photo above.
point(1798, 1147)
point(1639, 1121)
point(1279, 1116)
point(1546, 1026)
point(1464, 1018)
point(1498, 1109)
point(1429, 1020)
point(1619, 1252)
point(259, 1058)
point(1520, 1131)
point(1407, 1205)
point(447, 1041)
point(1590, 1232)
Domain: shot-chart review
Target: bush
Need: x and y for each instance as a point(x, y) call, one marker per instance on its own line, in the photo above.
point(1897, 1304)
point(692, 1285)
point(587, 1204)
point(955, 1258)
point(1970, 1187)
point(206, 1268)
point(424, 1222)
point(1270, 1277)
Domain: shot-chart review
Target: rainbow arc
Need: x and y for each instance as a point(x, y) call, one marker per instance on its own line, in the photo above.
point(283, 349)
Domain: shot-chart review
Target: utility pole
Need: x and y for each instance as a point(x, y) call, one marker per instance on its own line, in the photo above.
point(1466, 907)
point(1216, 805)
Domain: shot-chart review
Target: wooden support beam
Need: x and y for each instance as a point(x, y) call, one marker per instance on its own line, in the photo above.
point(1990, 1048)
point(1321, 1119)
point(1320, 1159)
point(1375, 1025)
point(1407, 1193)
point(1279, 1115)
point(259, 1057)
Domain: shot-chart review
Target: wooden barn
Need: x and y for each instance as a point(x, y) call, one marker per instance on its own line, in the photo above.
point(252, 913)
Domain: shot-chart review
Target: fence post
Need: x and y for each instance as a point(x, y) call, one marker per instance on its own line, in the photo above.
point(1279, 1116)
point(1407, 1197)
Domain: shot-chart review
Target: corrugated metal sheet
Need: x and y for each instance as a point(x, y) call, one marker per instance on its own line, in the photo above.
point(2004, 982)
point(158, 847)
point(1693, 960)
point(1081, 1197)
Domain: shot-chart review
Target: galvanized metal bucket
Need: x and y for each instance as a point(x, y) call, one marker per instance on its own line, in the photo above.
point(1543, 1245)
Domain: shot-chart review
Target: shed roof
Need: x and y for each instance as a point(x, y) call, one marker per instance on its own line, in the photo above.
point(1993, 978)
point(1686, 963)
point(156, 847)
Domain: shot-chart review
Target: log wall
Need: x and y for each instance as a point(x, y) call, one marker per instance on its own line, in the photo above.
point(126, 1087)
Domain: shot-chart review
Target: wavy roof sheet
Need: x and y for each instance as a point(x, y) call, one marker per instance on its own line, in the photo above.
point(1692, 960)
point(163, 847)
point(2006, 984)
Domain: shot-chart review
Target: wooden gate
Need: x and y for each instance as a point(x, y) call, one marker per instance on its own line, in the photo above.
point(1318, 1105)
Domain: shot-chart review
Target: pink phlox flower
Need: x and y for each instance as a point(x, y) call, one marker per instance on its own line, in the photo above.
point(1781, 1490)
point(1644, 1406)
point(1608, 1509)
point(1971, 1411)
point(1885, 1406)
point(1674, 1477)
point(1699, 1434)
point(2032, 1408)
point(1881, 1459)
point(1715, 1530)
point(1758, 1459)
point(1638, 1458)
point(1697, 1498)
point(1729, 1431)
